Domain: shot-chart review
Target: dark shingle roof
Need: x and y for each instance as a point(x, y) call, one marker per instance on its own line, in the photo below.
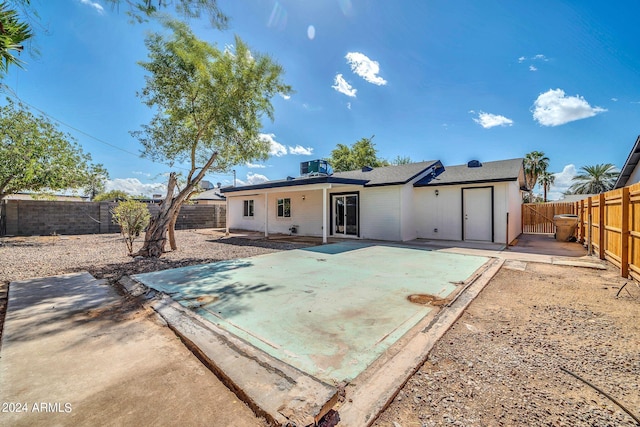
point(290, 182)
point(502, 170)
point(388, 175)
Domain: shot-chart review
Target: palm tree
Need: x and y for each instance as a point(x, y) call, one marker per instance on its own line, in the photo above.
point(595, 179)
point(13, 33)
point(546, 180)
point(535, 163)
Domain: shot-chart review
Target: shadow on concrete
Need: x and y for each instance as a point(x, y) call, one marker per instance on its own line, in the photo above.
point(49, 306)
point(546, 244)
point(208, 287)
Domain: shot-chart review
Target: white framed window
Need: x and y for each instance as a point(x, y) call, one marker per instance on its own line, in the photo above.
point(247, 210)
point(284, 208)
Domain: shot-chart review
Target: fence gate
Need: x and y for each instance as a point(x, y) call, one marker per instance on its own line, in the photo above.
point(538, 217)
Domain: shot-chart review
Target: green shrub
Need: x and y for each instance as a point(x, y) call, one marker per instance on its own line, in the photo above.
point(132, 217)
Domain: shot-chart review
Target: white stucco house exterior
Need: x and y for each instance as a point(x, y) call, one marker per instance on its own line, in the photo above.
point(475, 202)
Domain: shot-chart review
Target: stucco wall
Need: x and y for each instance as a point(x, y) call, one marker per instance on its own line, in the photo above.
point(380, 213)
point(306, 212)
point(444, 211)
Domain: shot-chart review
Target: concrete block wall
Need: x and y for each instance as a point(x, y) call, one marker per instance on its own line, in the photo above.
point(41, 217)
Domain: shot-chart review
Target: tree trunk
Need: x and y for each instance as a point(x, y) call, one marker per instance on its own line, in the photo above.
point(155, 238)
point(164, 221)
point(172, 231)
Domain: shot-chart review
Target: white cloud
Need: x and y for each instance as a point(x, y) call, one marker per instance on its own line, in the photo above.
point(275, 148)
point(97, 6)
point(255, 165)
point(134, 187)
point(540, 57)
point(348, 105)
point(285, 97)
point(563, 180)
point(256, 178)
point(614, 99)
point(487, 120)
point(341, 85)
point(279, 150)
point(145, 174)
point(532, 68)
point(366, 68)
point(521, 59)
point(554, 108)
point(300, 150)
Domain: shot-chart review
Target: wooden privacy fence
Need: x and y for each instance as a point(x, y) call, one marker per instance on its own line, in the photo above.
point(611, 223)
point(608, 223)
point(538, 217)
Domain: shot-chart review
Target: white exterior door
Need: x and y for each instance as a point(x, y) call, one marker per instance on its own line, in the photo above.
point(477, 214)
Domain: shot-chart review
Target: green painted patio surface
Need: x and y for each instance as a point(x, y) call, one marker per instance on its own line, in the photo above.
point(329, 310)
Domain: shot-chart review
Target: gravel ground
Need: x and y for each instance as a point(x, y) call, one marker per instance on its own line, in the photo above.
point(499, 365)
point(105, 255)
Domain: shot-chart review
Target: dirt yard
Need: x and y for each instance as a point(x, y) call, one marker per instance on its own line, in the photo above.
point(500, 364)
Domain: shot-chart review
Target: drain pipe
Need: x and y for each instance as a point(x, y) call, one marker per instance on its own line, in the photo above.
point(507, 233)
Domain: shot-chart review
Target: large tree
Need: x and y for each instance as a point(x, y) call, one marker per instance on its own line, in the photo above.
point(96, 181)
point(141, 10)
point(13, 34)
point(594, 179)
point(535, 163)
point(208, 109)
point(362, 153)
point(35, 156)
point(546, 180)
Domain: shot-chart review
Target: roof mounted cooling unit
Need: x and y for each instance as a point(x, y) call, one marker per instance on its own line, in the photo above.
point(315, 168)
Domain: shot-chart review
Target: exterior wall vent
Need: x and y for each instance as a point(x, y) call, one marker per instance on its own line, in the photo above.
point(474, 164)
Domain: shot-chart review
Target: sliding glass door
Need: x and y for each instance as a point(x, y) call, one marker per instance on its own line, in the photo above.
point(345, 215)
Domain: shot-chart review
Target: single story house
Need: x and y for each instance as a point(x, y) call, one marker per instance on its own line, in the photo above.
point(209, 197)
point(476, 201)
point(630, 173)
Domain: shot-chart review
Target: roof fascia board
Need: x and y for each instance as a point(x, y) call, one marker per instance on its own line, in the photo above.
point(307, 184)
point(480, 181)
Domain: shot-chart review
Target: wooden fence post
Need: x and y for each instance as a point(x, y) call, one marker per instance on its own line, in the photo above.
point(601, 226)
point(581, 215)
point(624, 235)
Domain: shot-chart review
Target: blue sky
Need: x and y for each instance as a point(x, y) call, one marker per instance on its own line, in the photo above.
point(451, 80)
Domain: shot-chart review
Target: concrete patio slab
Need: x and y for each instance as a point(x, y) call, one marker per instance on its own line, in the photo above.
point(329, 310)
point(288, 330)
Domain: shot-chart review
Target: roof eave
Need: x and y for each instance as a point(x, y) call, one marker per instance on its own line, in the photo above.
point(293, 183)
point(479, 181)
point(629, 165)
